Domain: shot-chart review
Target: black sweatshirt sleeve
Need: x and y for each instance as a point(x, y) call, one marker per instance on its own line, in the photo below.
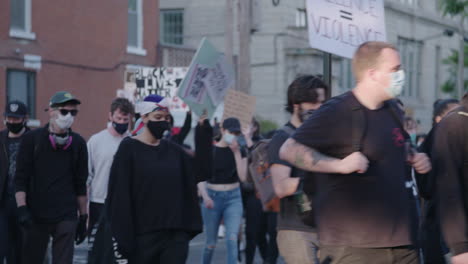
point(203, 161)
point(81, 173)
point(119, 199)
point(24, 162)
point(185, 128)
point(450, 144)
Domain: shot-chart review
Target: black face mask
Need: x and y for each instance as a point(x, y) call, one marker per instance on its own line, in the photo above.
point(157, 128)
point(15, 128)
point(120, 128)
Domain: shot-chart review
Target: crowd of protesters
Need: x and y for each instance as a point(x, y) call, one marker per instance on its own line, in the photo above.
point(355, 182)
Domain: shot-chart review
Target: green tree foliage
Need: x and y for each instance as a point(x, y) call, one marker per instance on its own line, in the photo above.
point(454, 8)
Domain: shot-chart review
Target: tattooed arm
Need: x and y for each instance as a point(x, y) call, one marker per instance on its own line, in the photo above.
point(308, 159)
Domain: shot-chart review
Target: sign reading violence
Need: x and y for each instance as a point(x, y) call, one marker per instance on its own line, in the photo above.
point(340, 26)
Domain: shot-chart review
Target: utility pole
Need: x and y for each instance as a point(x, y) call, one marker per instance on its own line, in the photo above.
point(461, 61)
point(244, 45)
point(229, 29)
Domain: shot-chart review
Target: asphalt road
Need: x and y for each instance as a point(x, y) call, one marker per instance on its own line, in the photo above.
point(195, 252)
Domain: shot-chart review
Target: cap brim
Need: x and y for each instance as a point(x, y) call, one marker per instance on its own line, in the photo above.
point(73, 101)
point(234, 130)
point(14, 115)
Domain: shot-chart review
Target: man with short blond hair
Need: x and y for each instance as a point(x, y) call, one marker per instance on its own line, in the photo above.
point(363, 209)
point(368, 56)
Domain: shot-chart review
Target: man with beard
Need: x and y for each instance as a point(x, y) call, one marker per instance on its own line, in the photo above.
point(297, 242)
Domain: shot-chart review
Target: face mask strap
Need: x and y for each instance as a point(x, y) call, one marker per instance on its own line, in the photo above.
point(54, 144)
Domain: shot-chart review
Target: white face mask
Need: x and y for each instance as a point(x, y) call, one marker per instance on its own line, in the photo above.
point(397, 80)
point(64, 122)
point(228, 138)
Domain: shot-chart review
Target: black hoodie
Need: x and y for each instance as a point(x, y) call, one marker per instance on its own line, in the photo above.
point(451, 162)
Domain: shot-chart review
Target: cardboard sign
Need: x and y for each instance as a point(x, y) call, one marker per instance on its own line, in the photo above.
point(239, 105)
point(208, 79)
point(339, 27)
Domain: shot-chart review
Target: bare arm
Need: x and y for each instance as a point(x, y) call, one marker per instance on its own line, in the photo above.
point(207, 201)
point(308, 159)
point(283, 184)
point(82, 204)
point(20, 198)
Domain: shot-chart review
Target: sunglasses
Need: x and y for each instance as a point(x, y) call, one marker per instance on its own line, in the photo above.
point(65, 112)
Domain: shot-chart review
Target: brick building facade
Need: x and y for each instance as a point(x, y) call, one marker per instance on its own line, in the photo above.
point(78, 46)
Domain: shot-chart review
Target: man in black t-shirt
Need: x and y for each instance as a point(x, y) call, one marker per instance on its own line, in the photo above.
point(297, 242)
point(16, 116)
point(363, 209)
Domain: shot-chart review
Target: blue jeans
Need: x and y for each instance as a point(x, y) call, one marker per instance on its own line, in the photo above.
point(227, 206)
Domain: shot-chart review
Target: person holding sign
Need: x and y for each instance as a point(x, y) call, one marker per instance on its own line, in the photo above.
point(221, 193)
point(152, 201)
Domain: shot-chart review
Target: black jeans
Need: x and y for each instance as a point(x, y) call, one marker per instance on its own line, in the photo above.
point(11, 232)
point(95, 212)
point(162, 247)
point(258, 225)
point(432, 243)
point(63, 239)
point(349, 255)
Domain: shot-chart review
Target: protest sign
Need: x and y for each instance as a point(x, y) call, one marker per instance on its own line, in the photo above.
point(207, 80)
point(239, 105)
point(339, 27)
point(143, 81)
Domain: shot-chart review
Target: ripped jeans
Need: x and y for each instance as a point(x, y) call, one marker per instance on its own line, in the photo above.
point(227, 206)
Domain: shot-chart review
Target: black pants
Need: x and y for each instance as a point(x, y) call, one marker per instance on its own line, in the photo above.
point(37, 239)
point(162, 247)
point(258, 225)
point(11, 233)
point(349, 255)
point(95, 212)
point(432, 243)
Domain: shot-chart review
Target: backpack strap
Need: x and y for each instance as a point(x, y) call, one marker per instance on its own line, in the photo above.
point(358, 125)
point(398, 117)
point(289, 130)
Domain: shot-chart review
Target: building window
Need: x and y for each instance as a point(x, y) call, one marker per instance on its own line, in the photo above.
point(301, 18)
point(135, 28)
point(410, 54)
point(21, 85)
point(172, 26)
point(20, 19)
point(346, 79)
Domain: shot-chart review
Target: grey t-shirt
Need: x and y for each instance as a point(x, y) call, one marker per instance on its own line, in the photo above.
point(288, 217)
point(12, 146)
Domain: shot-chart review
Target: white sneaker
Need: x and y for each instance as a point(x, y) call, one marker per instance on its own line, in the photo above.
point(242, 246)
point(221, 231)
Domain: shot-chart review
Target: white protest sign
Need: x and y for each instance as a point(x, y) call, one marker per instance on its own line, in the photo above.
point(219, 81)
point(208, 78)
point(142, 81)
point(340, 26)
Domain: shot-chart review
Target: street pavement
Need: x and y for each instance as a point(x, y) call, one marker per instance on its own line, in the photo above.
point(195, 252)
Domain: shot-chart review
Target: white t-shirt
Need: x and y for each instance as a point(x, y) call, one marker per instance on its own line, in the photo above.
point(101, 149)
